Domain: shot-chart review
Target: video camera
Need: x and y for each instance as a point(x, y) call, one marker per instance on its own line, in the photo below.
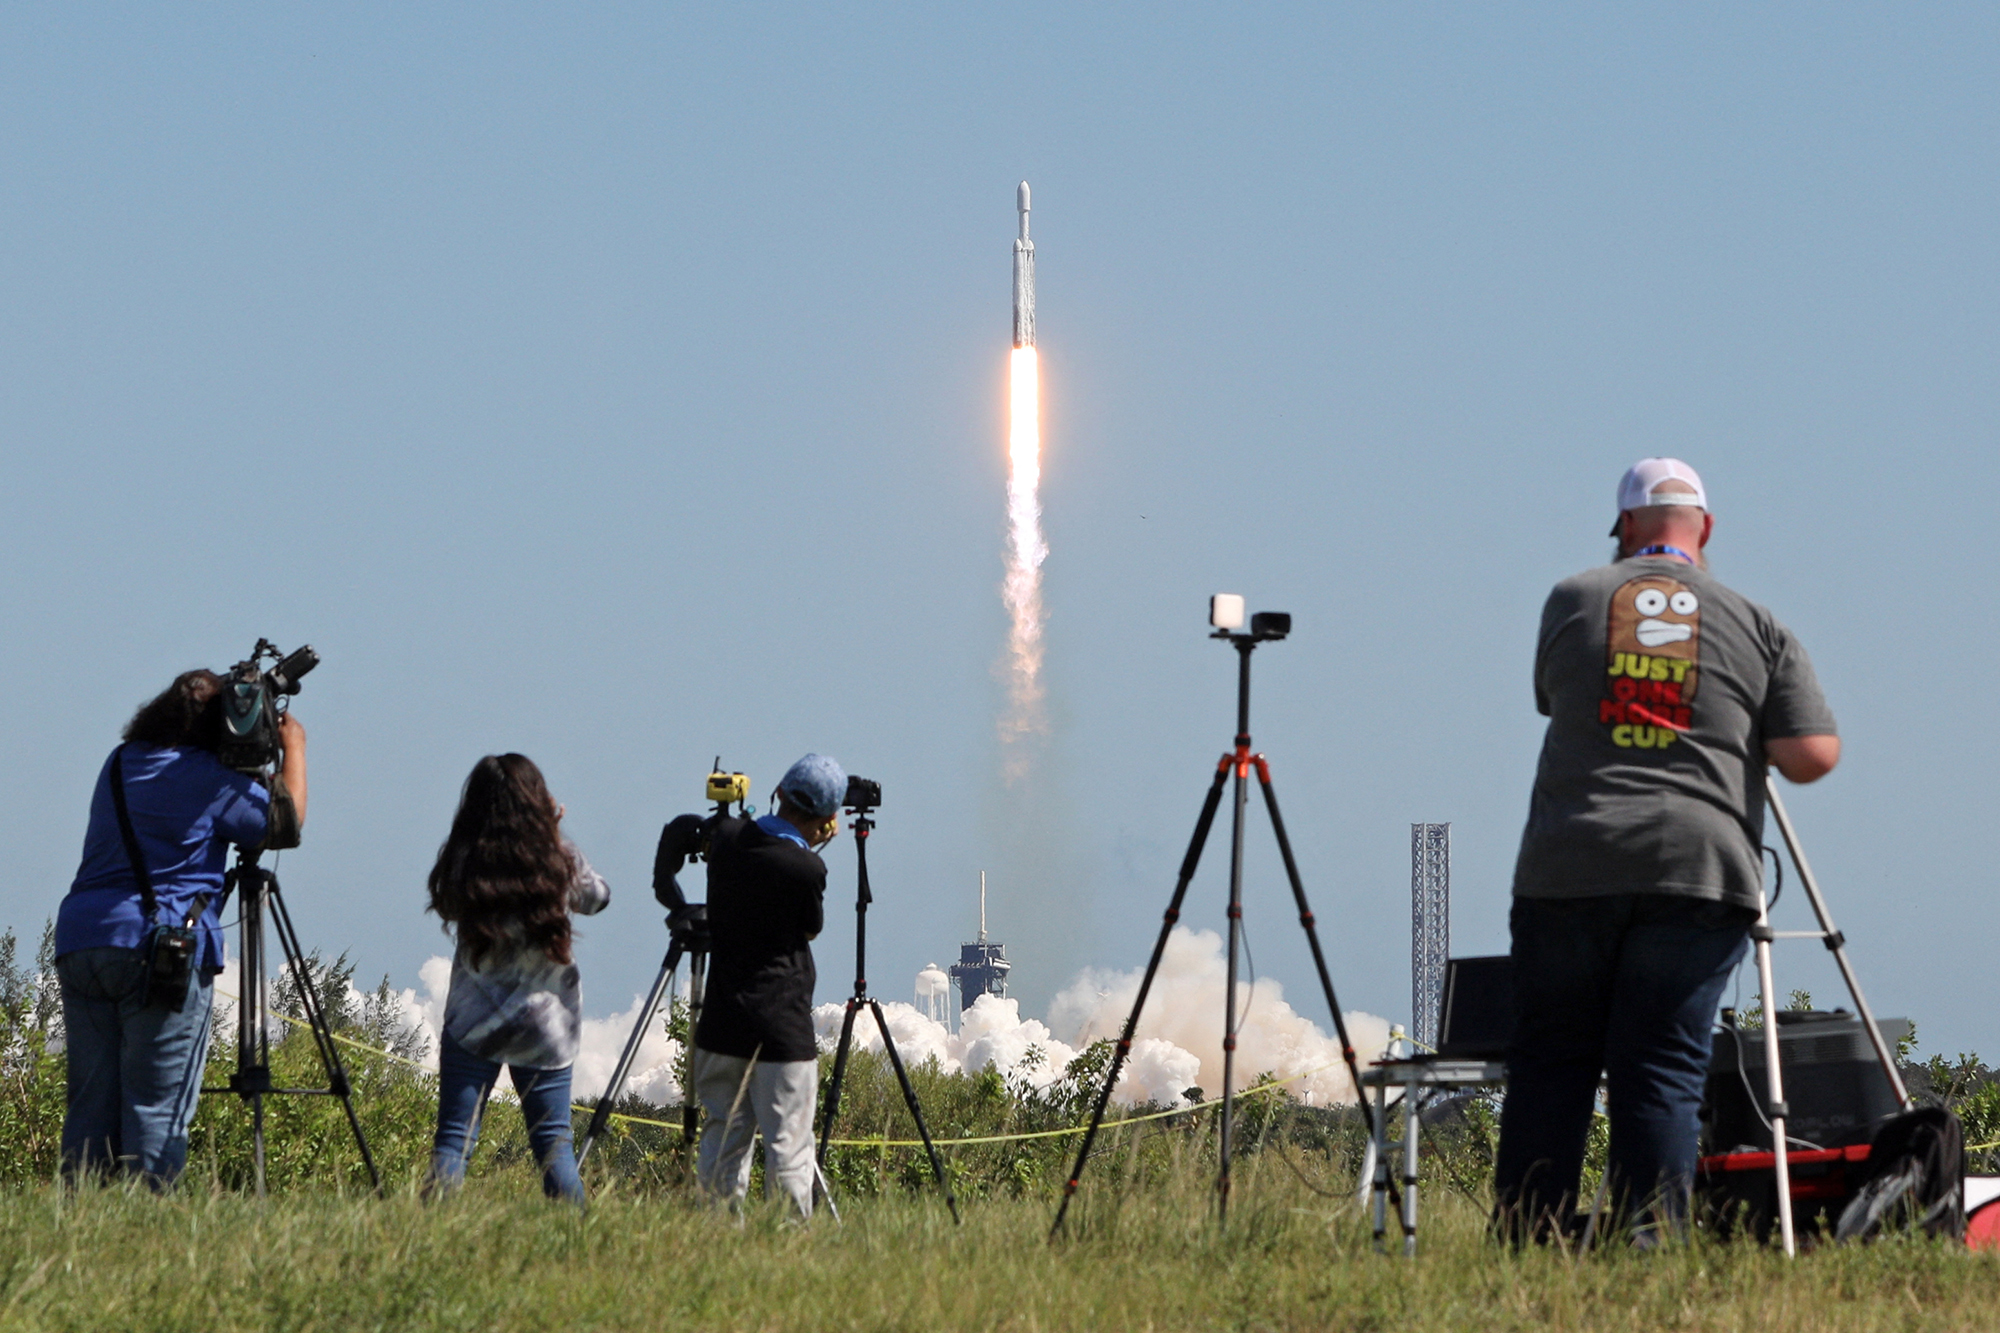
point(253, 703)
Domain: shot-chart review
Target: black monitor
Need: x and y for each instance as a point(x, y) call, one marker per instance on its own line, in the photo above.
point(1478, 1016)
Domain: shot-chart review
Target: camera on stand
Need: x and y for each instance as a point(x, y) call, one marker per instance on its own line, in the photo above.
point(727, 789)
point(254, 699)
point(684, 839)
point(253, 703)
point(862, 795)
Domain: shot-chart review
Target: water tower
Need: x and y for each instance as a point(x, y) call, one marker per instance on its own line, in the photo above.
point(934, 995)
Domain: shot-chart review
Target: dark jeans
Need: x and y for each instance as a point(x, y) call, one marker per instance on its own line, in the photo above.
point(464, 1082)
point(1626, 985)
point(134, 1070)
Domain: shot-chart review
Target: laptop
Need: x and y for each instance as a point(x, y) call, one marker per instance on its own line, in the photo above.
point(1478, 1015)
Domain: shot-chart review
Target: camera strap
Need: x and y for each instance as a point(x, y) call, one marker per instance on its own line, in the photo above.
point(148, 901)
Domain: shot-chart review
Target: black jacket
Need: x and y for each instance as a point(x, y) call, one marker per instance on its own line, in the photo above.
point(764, 905)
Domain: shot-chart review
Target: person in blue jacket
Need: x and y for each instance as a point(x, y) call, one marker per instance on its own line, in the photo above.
point(136, 1058)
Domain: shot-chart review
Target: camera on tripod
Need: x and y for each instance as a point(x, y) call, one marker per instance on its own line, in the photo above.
point(862, 795)
point(252, 704)
point(1225, 612)
point(727, 788)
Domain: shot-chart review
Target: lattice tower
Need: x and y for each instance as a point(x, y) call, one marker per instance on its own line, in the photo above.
point(1430, 927)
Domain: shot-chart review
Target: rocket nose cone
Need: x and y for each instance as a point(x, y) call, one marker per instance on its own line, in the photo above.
point(1021, 197)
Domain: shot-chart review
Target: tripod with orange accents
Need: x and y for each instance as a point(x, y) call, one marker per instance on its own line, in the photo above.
point(1265, 627)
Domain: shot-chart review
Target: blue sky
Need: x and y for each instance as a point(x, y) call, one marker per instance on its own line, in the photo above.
point(624, 386)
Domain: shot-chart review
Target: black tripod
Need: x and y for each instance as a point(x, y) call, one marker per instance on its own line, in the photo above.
point(862, 826)
point(687, 937)
point(257, 888)
point(687, 929)
point(1265, 626)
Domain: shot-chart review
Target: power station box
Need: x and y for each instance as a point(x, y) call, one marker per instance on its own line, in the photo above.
point(1835, 1088)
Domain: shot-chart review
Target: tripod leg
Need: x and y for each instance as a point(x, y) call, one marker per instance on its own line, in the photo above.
point(1774, 1079)
point(257, 1139)
point(329, 1054)
point(600, 1116)
point(1836, 944)
point(1223, 1142)
point(690, 1105)
point(839, 1077)
point(1412, 1126)
point(1124, 1046)
point(916, 1111)
point(1309, 923)
point(1379, 1157)
point(253, 1055)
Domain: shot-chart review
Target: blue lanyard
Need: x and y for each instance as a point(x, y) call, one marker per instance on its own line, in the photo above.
point(1664, 549)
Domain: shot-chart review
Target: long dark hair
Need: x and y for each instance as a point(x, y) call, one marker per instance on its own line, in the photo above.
point(187, 712)
point(504, 863)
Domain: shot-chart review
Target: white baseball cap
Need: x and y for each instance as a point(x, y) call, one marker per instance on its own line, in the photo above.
point(1636, 489)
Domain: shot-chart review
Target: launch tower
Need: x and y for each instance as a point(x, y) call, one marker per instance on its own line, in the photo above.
point(982, 966)
point(1430, 927)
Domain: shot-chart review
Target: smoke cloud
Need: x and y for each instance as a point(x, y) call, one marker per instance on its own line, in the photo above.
point(1178, 1044)
point(1184, 1011)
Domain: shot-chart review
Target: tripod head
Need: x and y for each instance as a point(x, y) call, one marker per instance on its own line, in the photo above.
point(1225, 612)
point(862, 797)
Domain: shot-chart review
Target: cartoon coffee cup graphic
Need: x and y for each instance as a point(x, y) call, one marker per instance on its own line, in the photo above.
point(1652, 655)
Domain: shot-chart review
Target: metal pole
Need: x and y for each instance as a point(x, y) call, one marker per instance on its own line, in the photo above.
point(253, 1057)
point(1241, 798)
point(1410, 1130)
point(1836, 944)
point(1379, 1140)
point(1774, 1082)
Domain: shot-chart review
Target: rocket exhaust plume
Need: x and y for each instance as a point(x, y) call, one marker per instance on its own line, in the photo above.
point(1025, 717)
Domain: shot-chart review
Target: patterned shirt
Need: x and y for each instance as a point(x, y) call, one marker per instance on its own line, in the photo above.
point(519, 1006)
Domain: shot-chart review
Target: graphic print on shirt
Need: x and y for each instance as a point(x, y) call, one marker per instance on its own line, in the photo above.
point(1653, 662)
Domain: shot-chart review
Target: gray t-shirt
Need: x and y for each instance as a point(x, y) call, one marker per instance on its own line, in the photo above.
point(1661, 687)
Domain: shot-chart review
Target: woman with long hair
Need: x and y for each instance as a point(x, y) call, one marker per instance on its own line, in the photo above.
point(139, 935)
point(505, 883)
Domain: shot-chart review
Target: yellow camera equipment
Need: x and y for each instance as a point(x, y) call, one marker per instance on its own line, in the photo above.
point(727, 788)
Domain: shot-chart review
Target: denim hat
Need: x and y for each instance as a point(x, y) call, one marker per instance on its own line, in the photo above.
point(817, 784)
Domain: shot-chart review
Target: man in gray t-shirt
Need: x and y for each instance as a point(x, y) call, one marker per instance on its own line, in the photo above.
point(1667, 695)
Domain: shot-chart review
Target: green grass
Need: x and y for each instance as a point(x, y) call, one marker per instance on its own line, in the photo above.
point(1143, 1250)
point(1145, 1257)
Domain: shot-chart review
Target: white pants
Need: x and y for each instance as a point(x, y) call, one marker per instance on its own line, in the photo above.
point(777, 1099)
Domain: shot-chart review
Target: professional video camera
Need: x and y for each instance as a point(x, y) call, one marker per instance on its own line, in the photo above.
point(253, 702)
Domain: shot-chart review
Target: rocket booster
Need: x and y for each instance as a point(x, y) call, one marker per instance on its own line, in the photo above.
point(1024, 276)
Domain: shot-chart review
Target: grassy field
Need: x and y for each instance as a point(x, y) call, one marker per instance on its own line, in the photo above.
point(1143, 1251)
point(498, 1258)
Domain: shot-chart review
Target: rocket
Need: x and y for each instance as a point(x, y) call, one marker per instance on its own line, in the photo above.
point(1024, 276)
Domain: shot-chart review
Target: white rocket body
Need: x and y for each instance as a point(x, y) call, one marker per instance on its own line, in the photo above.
point(1024, 276)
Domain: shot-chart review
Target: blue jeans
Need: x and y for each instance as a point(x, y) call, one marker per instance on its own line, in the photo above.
point(464, 1082)
point(134, 1070)
point(1627, 985)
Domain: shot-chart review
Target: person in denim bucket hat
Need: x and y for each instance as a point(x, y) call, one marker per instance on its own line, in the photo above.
point(815, 785)
point(756, 1064)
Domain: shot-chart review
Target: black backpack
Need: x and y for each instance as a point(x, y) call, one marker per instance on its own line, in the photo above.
point(1914, 1179)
